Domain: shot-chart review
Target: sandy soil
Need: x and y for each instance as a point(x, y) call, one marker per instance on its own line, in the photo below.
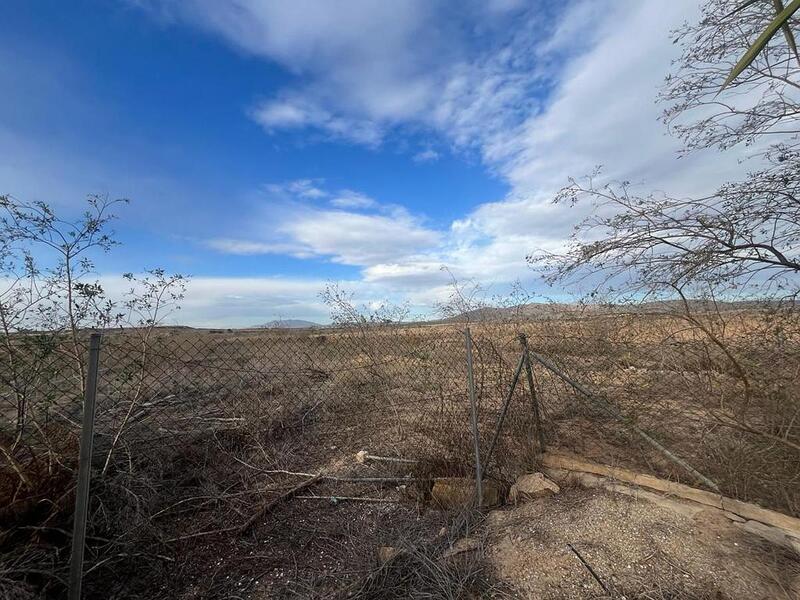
point(638, 549)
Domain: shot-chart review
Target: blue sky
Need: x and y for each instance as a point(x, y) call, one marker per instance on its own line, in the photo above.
point(268, 147)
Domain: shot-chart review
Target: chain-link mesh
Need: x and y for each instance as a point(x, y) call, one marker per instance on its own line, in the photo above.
point(195, 429)
point(717, 391)
point(192, 428)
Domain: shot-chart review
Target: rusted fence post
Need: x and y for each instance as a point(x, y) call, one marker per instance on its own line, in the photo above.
point(537, 416)
point(84, 471)
point(473, 407)
point(502, 418)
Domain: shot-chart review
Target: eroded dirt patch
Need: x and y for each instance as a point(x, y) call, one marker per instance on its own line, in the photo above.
point(638, 549)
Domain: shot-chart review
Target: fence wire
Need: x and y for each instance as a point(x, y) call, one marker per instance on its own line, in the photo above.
point(193, 428)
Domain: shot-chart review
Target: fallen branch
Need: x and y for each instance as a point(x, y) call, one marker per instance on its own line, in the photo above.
point(200, 534)
point(590, 569)
point(275, 501)
point(348, 498)
point(363, 457)
point(336, 477)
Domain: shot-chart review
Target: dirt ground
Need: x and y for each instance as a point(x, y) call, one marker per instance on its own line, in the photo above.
point(639, 550)
point(636, 548)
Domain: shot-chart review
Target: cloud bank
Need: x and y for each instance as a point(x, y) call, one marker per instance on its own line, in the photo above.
point(537, 91)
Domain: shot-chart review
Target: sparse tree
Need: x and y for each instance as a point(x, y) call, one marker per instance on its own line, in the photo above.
point(761, 105)
point(746, 237)
point(465, 300)
point(347, 313)
point(44, 264)
point(746, 234)
point(151, 298)
point(49, 296)
point(742, 240)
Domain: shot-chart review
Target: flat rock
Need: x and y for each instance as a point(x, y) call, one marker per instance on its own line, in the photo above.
point(531, 486)
point(454, 492)
point(462, 546)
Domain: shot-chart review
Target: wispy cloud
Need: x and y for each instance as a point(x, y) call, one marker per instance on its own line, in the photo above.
point(352, 199)
point(426, 156)
point(249, 247)
point(539, 104)
point(302, 114)
point(353, 230)
point(363, 68)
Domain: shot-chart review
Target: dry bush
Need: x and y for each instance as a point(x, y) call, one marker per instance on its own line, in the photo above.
point(420, 568)
point(202, 423)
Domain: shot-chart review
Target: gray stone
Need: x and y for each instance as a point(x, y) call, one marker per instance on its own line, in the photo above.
point(531, 486)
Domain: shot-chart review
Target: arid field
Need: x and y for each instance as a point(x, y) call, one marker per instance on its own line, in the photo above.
point(197, 431)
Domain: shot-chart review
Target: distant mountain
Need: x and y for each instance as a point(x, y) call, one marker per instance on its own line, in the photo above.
point(524, 311)
point(288, 324)
point(561, 310)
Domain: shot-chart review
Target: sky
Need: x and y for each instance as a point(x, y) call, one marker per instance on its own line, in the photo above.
point(269, 148)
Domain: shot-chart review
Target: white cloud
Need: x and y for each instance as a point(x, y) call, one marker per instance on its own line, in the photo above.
point(359, 239)
point(248, 247)
point(306, 189)
point(284, 113)
point(426, 156)
point(357, 231)
point(302, 114)
point(362, 68)
point(240, 301)
point(541, 94)
point(353, 199)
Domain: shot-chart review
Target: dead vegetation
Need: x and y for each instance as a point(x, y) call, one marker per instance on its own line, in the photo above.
point(223, 424)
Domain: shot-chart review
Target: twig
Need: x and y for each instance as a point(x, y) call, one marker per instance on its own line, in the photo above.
point(275, 501)
point(200, 534)
point(310, 410)
point(16, 466)
point(589, 568)
point(363, 457)
point(335, 477)
point(126, 555)
point(348, 498)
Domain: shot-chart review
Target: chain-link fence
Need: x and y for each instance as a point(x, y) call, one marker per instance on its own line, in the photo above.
point(192, 427)
point(195, 430)
point(717, 390)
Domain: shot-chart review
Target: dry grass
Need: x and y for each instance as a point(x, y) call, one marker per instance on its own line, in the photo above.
point(206, 418)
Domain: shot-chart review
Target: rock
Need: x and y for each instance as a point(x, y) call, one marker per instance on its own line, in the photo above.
point(734, 517)
point(386, 554)
point(773, 534)
point(462, 546)
point(454, 492)
point(361, 457)
point(712, 518)
point(794, 588)
point(533, 485)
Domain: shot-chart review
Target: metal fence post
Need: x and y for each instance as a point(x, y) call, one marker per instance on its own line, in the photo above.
point(488, 458)
point(473, 407)
point(84, 472)
point(537, 417)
